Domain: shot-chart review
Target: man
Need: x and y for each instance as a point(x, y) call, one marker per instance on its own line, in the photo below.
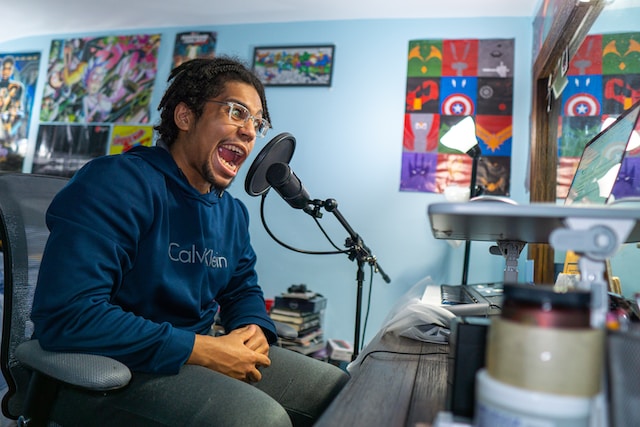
point(14, 89)
point(147, 247)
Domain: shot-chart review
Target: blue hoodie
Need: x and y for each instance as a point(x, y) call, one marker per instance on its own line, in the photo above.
point(138, 262)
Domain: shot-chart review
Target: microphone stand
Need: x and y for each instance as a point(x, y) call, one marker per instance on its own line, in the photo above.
point(358, 251)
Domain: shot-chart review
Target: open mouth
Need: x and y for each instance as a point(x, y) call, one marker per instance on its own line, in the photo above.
point(231, 157)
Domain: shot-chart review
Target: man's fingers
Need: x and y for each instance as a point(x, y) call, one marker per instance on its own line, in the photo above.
point(244, 332)
point(254, 376)
point(263, 360)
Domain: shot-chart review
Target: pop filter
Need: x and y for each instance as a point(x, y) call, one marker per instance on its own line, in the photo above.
point(278, 150)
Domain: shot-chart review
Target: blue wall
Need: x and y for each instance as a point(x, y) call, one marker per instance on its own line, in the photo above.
point(349, 146)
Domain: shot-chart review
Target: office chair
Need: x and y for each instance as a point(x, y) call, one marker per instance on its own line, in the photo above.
point(32, 374)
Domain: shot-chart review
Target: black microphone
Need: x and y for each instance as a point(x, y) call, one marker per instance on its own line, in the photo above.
point(286, 183)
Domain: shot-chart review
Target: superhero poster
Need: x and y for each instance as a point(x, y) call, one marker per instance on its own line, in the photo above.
point(603, 82)
point(448, 80)
point(100, 79)
point(194, 44)
point(125, 137)
point(92, 84)
point(18, 78)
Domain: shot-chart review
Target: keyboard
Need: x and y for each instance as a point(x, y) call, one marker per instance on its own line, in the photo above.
point(479, 299)
point(455, 294)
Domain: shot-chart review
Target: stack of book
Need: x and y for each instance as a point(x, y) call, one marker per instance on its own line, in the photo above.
point(303, 311)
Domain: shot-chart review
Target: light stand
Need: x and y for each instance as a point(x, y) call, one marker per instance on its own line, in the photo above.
point(473, 192)
point(462, 137)
point(357, 251)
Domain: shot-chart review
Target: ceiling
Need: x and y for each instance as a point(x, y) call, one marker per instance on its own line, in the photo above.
point(35, 17)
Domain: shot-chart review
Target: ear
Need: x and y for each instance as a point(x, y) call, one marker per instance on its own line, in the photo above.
point(183, 116)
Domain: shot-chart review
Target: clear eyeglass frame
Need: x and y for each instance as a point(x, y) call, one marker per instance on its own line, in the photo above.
point(240, 114)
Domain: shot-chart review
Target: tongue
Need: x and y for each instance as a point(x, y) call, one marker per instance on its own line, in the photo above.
point(227, 155)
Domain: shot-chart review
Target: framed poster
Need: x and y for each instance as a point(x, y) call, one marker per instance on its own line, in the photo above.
point(106, 79)
point(62, 149)
point(194, 44)
point(125, 137)
point(18, 78)
point(294, 65)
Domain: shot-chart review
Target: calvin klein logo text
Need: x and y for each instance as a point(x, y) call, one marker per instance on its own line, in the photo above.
point(194, 256)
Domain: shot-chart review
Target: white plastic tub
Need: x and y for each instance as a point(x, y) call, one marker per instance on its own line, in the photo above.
point(500, 405)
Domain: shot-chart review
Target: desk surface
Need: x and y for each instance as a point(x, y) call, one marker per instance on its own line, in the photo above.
point(494, 221)
point(402, 382)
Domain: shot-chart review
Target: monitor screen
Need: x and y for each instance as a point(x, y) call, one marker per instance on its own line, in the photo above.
point(601, 160)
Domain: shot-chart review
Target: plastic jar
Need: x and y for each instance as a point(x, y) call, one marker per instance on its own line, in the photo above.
point(544, 307)
point(503, 405)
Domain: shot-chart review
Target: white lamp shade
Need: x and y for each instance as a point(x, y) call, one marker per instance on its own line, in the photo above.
point(461, 136)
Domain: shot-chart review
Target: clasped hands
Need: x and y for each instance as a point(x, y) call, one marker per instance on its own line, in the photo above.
point(237, 354)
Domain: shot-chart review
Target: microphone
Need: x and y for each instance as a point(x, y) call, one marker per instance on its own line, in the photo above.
point(288, 185)
point(279, 149)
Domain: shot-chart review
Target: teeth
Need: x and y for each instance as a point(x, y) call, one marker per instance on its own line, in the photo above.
point(229, 165)
point(238, 154)
point(234, 149)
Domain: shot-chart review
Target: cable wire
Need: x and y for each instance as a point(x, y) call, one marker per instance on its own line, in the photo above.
point(337, 251)
point(366, 315)
point(302, 251)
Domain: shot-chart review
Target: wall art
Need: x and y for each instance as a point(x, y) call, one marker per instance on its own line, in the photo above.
point(448, 80)
point(294, 65)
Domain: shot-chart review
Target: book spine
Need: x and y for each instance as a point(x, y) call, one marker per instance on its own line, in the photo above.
point(307, 326)
point(294, 319)
point(287, 312)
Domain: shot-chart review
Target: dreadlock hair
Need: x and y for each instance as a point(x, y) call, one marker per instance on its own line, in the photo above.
point(198, 80)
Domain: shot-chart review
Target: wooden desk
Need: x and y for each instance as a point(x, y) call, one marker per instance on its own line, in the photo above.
point(402, 382)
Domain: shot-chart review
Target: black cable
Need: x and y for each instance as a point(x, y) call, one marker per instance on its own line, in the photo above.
point(366, 315)
point(327, 236)
point(337, 251)
point(281, 243)
point(401, 353)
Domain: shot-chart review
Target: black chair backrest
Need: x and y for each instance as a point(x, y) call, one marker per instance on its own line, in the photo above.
point(24, 199)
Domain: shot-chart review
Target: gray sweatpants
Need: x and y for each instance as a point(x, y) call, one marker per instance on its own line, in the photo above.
point(294, 390)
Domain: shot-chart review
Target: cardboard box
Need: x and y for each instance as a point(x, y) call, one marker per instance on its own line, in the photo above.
point(339, 350)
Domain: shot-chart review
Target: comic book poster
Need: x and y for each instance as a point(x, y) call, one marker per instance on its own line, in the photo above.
point(124, 138)
point(194, 44)
point(603, 81)
point(447, 81)
point(62, 149)
point(100, 79)
point(18, 78)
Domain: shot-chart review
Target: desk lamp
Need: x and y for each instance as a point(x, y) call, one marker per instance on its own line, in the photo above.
point(462, 137)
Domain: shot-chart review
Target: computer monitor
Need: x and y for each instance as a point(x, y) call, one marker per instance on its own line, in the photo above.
point(604, 170)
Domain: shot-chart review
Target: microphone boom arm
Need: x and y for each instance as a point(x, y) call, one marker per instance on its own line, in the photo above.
point(357, 251)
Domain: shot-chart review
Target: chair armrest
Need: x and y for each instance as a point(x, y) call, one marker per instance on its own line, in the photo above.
point(88, 371)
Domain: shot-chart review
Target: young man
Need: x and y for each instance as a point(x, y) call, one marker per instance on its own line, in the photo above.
point(147, 246)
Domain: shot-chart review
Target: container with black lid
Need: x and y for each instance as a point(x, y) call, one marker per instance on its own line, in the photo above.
point(546, 307)
point(544, 361)
point(543, 341)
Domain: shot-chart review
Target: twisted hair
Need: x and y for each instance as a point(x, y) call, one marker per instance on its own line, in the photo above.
point(9, 60)
point(198, 80)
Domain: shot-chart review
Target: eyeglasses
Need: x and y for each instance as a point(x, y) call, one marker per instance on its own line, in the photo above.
point(241, 115)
